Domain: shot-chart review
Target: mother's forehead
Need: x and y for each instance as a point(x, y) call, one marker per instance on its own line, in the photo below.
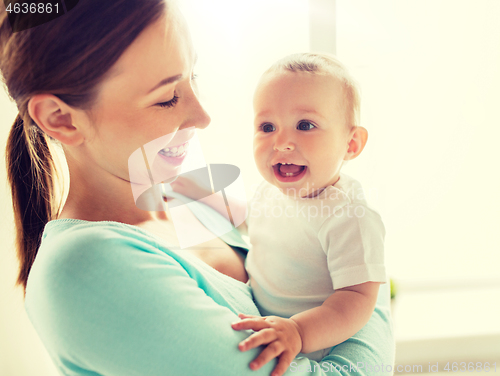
point(162, 50)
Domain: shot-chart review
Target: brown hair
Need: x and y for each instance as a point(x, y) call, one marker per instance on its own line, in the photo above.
point(323, 63)
point(67, 57)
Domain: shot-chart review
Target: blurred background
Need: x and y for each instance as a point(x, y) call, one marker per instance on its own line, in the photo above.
point(430, 79)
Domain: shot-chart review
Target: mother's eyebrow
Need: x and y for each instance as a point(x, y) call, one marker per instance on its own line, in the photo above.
point(166, 81)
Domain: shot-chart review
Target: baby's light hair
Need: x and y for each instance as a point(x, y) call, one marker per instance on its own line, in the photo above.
point(327, 64)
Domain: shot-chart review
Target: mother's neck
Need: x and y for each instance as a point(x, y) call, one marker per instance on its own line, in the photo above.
point(96, 195)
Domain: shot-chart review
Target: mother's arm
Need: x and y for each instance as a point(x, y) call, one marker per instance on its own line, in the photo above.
point(112, 308)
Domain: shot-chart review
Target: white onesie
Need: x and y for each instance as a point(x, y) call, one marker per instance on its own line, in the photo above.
point(304, 249)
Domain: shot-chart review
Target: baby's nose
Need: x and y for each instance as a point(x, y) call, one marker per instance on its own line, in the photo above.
point(284, 147)
point(284, 143)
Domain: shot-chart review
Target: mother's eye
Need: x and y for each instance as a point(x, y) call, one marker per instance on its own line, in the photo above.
point(267, 128)
point(171, 103)
point(305, 126)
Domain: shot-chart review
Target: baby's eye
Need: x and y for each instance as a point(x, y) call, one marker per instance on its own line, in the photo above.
point(305, 126)
point(267, 127)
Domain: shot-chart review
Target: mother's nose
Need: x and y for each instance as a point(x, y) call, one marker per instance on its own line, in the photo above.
point(198, 117)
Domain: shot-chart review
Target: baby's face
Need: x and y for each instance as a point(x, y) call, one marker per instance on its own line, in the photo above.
point(300, 131)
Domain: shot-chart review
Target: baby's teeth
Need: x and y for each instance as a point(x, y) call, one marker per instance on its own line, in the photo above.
point(166, 149)
point(181, 149)
point(289, 174)
point(174, 150)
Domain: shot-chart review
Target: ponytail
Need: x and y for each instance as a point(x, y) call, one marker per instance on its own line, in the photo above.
point(30, 169)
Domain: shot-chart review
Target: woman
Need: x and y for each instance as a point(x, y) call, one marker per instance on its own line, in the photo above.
point(107, 289)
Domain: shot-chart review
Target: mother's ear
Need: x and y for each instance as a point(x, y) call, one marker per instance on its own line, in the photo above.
point(54, 117)
point(357, 141)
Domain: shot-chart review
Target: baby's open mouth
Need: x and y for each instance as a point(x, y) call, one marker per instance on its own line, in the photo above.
point(288, 170)
point(175, 151)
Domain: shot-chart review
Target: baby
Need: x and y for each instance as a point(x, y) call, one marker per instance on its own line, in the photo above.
point(317, 249)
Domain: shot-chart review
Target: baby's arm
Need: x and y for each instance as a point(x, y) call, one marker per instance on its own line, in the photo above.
point(341, 316)
point(189, 188)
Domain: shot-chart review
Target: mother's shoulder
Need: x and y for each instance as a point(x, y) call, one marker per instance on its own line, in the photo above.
point(76, 255)
point(74, 244)
point(75, 233)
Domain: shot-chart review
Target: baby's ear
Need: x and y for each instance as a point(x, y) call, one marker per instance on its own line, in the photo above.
point(357, 141)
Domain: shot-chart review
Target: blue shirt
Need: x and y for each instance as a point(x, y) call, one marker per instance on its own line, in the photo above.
point(107, 298)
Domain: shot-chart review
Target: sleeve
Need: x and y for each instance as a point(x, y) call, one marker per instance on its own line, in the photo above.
point(114, 309)
point(353, 240)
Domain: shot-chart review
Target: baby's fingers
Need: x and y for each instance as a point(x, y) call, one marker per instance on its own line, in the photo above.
point(283, 364)
point(245, 316)
point(255, 340)
point(270, 352)
point(256, 323)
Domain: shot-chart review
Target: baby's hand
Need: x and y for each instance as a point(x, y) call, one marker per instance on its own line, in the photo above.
point(189, 188)
point(282, 337)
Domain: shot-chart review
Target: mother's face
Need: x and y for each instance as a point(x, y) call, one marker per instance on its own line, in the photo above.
point(149, 95)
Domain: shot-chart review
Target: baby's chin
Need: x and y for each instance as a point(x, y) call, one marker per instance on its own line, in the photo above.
point(295, 191)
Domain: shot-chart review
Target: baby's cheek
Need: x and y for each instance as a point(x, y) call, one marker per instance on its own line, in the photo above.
point(259, 152)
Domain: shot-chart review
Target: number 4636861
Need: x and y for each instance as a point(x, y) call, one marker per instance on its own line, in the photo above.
point(32, 8)
point(470, 367)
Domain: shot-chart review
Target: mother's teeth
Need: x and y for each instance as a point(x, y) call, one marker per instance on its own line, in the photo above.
point(176, 151)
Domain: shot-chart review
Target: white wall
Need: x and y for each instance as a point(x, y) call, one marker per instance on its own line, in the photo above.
point(431, 87)
point(430, 78)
